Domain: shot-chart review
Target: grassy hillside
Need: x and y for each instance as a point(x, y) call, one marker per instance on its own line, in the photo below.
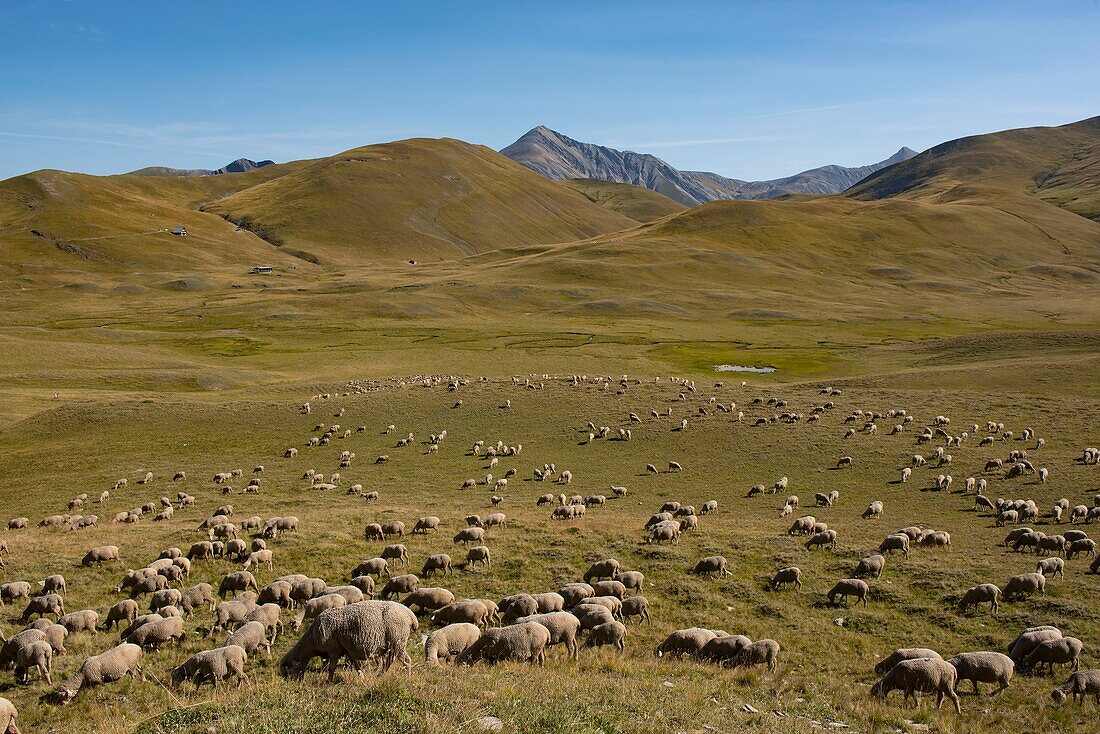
point(636, 202)
point(423, 199)
point(1055, 163)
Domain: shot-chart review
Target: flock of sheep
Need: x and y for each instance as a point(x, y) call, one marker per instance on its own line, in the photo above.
point(367, 620)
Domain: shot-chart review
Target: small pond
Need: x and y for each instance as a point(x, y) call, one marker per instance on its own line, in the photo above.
point(742, 368)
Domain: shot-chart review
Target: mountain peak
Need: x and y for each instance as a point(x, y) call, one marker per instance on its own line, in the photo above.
point(559, 157)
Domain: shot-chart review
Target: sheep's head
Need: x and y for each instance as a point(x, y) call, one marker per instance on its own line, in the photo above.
point(1058, 695)
point(61, 696)
point(878, 689)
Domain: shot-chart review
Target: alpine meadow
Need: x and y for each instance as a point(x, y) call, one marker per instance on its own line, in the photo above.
point(543, 436)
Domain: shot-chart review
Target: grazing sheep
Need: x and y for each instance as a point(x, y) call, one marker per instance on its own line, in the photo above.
point(101, 554)
point(923, 675)
point(849, 587)
point(470, 610)
point(723, 648)
point(213, 666)
point(1054, 567)
point(636, 606)
point(630, 579)
point(440, 562)
point(449, 642)
point(604, 569)
point(981, 594)
point(124, 611)
point(237, 581)
point(1029, 639)
point(761, 652)
point(550, 601)
point(157, 632)
point(1066, 650)
point(871, 566)
point(363, 631)
point(313, 607)
point(82, 621)
point(1081, 683)
point(404, 584)
point(107, 667)
point(396, 552)
point(1024, 585)
point(230, 612)
point(424, 524)
point(608, 633)
point(895, 542)
point(43, 605)
point(789, 575)
point(37, 655)
point(983, 667)
point(518, 605)
point(824, 539)
point(905, 653)
point(428, 598)
point(574, 594)
point(685, 642)
point(712, 566)
point(516, 643)
point(562, 626)
point(469, 535)
point(478, 554)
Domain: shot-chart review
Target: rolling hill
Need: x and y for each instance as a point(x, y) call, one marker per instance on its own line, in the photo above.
point(636, 202)
point(558, 157)
point(241, 165)
point(405, 200)
point(419, 199)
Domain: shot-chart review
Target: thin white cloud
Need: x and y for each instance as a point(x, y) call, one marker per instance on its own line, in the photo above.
point(706, 141)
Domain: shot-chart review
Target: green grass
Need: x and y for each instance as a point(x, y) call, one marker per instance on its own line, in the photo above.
point(825, 669)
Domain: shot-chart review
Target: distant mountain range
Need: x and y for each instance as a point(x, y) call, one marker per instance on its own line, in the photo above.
point(241, 165)
point(559, 157)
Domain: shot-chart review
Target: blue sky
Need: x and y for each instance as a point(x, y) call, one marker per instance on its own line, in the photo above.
point(750, 90)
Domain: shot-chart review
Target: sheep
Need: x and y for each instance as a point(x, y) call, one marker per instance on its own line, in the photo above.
point(905, 653)
point(873, 511)
point(849, 587)
point(723, 648)
point(550, 601)
point(8, 715)
point(630, 579)
point(981, 594)
point(895, 542)
point(674, 466)
point(440, 562)
point(802, 526)
point(107, 667)
point(1025, 585)
point(449, 642)
point(608, 633)
point(277, 592)
point(362, 631)
point(424, 524)
point(1054, 567)
point(478, 554)
point(37, 655)
point(761, 652)
point(574, 594)
point(101, 554)
point(683, 642)
point(824, 539)
point(983, 667)
point(923, 675)
point(229, 612)
point(516, 643)
point(1029, 639)
point(1066, 650)
point(871, 566)
point(82, 621)
point(562, 626)
point(636, 606)
point(470, 610)
point(469, 535)
point(518, 605)
point(258, 558)
point(712, 566)
point(56, 582)
point(404, 584)
point(1083, 545)
point(313, 607)
point(268, 616)
point(237, 581)
point(935, 539)
point(373, 566)
point(157, 632)
point(604, 569)
point(844, 461)
point(214, 666)
point(428, 598)
point(43, 605)
point(124, 611)
point(1080, 683)
point(789, 575)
